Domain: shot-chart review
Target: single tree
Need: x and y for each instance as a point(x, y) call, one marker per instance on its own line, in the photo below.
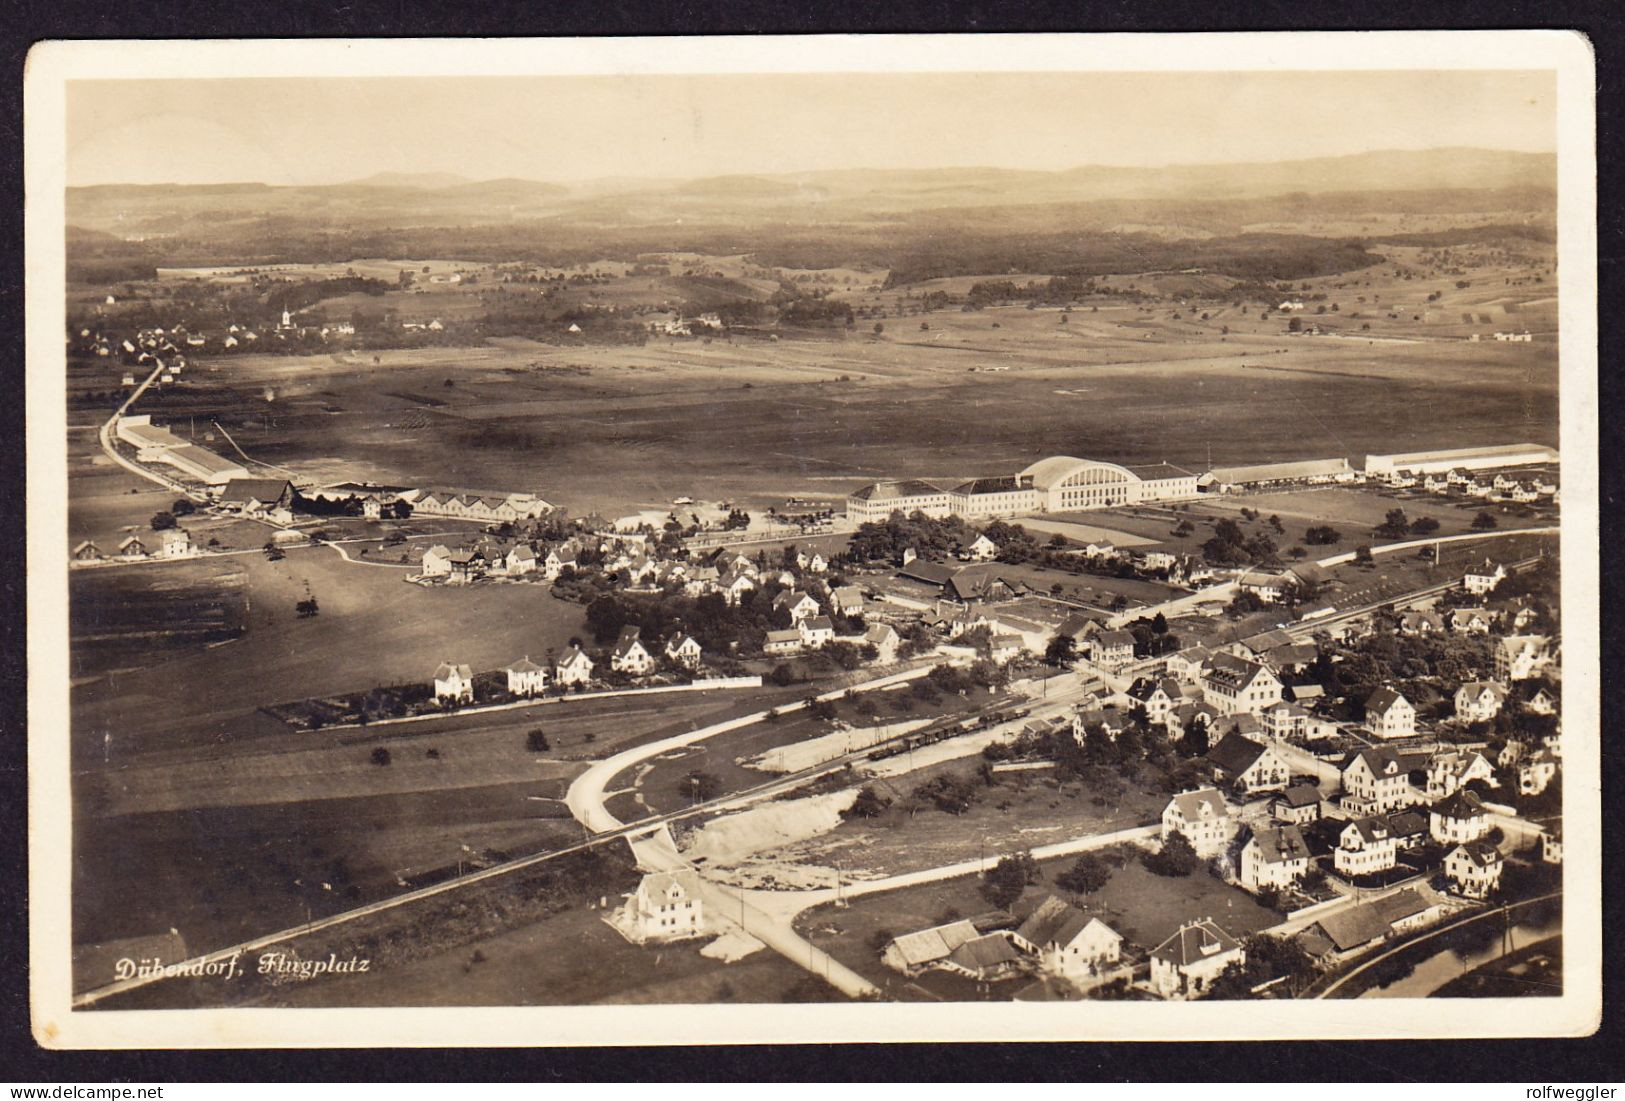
point(380, 756)
point(1484, 521)
point(536, 741)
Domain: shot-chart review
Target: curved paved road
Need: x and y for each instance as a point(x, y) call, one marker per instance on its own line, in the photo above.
point(729, 906)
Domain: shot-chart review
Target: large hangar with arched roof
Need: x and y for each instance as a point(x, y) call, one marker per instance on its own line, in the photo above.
point(1065, 483)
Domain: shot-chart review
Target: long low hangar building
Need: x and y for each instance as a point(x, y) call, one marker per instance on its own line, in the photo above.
point(1462, 458)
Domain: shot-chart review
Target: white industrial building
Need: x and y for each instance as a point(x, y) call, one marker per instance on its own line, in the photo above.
point(877, 501)
point(1462, 458)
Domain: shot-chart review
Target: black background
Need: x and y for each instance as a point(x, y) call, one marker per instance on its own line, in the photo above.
point(1597, 1059)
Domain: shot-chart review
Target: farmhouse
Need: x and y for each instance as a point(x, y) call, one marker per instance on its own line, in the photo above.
point(985, 958)
point(87, 552)
point(877, 501)
point(1470, 621)
point(1465, 458)
point(1067, 941)
point(1389, 714)
point(782, 642)
point(254, 496)
point(1474, 870)
point(1202, 817)
point(1187, 962)
point(1274, 858)
point(132, 548)
point(573, 667)
point(884, 638)
point(1344, 933)
point(526, 678)
point(1247, 765)
point(913, 953)
point(454, 682)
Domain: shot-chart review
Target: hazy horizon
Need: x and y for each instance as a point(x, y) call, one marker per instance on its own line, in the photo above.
point(581, 130)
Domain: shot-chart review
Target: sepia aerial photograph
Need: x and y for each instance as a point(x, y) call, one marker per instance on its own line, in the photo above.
point(737, 539)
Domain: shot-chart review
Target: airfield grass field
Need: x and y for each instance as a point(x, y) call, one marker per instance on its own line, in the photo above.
point(617, 428)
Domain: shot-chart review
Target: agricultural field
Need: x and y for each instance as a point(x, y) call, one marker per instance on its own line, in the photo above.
point(525, 967)
point(315, 806)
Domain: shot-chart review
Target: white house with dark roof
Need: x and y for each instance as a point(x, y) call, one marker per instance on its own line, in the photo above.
point(1110, 649)
point(982, 549)
point(437, 561)
point(1298, 804)
point(1158, 696)
point(1377, 780)
point(453, 682)
point(1388, 714)
point(1479, 701)
point(800, 605)
point(1274, 858)
point(1483, 577)
point(1458, 819)
point(1451, 770)
point(573, 667)
point(665, 907)
point(1203, 817)
point(682, 649)
point(1232, 685)
point(1366, 846)
point(885, 639)
point(630, 656)
point(1068, 942)
point(526, 678)
point(1185, 965)
point(1248, 766)
point(1474, 869)
point(521, 559)
point(846, 600)
point(816, 631)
